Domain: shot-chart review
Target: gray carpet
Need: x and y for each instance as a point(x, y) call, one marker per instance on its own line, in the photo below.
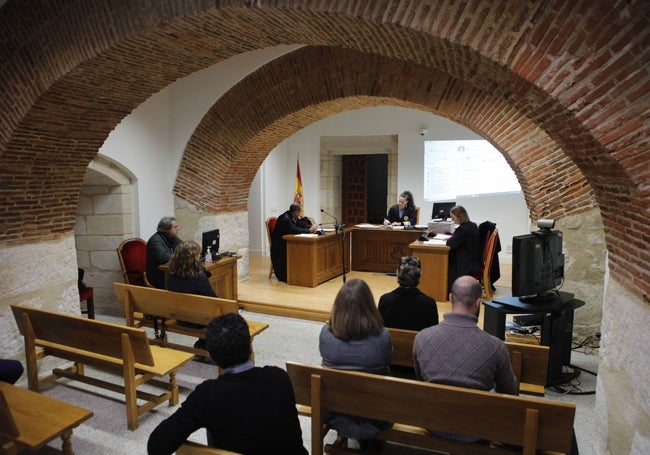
point(285, 339)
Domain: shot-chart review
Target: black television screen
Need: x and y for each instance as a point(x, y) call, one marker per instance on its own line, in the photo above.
point(441, 210)
point(210, 239)
point(537, 265)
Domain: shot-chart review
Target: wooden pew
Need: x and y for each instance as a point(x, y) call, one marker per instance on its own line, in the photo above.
point(106, 346)
point(529, 362)
point(173, 307)
point(532, 423)
point(29, 420)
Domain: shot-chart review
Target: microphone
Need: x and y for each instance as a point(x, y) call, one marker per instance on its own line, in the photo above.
point(337, 227)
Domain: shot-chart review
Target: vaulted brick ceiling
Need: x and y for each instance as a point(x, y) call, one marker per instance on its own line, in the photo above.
point(561, 88)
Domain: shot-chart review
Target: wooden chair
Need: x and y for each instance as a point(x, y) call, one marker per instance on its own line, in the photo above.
point(417, 216)
point(270, 227)
point(133, 260)
point(488, 258)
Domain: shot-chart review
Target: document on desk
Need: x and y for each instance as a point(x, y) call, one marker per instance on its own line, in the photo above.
point(368, 225)
point(435, 241)
point(442, 237)
point(306, 235)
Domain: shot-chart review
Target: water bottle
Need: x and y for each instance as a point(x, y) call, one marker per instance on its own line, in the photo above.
point(208, 256)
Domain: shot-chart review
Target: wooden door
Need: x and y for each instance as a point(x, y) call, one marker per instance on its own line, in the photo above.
point(354, 189)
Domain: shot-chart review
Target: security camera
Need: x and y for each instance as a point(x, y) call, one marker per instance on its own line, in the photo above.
point(423, 132)
point(545, 225)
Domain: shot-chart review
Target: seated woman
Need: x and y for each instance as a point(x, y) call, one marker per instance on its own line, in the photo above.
point(355, 339)
point(186, 274)
point(407, 307)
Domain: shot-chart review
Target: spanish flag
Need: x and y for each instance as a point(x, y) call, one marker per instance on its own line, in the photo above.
point(297, 197)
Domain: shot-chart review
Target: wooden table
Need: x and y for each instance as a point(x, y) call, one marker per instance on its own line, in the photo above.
point(38, 419)
point(314, 259)
point(224, 279)
point(379, 249)
point(435, 268)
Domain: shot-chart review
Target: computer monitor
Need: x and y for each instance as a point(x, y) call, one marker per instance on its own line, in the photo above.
point(210, 239)
point(441, 210)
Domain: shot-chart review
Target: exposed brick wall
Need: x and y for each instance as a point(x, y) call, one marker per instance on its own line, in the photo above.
point(561, 88)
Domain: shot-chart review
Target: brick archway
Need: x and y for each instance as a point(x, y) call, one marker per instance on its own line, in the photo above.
point(570, 78)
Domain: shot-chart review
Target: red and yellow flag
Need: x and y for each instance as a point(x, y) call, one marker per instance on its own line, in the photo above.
point(297, 196)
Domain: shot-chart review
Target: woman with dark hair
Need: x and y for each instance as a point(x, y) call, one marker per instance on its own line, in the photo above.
point(355, 338)
point(186, 274)
point(403, 211)
point(407, 307)
point(464, 246)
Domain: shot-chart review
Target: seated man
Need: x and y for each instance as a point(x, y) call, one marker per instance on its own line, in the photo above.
point(407, 307)
point(457, 352)
point(247, 409)
point(160, 248)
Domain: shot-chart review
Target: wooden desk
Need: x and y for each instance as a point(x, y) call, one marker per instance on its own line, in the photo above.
point(435, 268)
point(380, 249)
point(40, 419)
point(224, 279)
point(314, 260)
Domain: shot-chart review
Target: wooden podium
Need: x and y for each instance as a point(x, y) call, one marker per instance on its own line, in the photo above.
point(313, 259)
point(379, 249)
point(435, 268)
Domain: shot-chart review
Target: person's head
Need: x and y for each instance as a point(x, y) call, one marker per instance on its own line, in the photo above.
point(354, 314)
point(168, 226)
point(465, 295)
point(185, 260)
point(405, 200)
point(228, 340)
point(459, 214)
point(408, 271)
point(295, 210)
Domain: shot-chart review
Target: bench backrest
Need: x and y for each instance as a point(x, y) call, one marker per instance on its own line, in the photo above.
point(98, 337)
point(171, 305)
point(529, 361)
point(484, 415)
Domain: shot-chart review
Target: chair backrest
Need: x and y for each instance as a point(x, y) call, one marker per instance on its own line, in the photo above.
point(488, 259)
point(270, 227)
point(417, 215)
point(133, 260)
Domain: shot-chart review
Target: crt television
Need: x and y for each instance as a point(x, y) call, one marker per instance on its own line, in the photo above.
point(537, 265)
point(210, 239)
point(441, 210)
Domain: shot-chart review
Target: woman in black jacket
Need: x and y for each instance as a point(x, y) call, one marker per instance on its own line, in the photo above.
point(465, 252)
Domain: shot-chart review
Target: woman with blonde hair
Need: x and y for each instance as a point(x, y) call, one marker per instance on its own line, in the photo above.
point(355, 339)
point(186, 274)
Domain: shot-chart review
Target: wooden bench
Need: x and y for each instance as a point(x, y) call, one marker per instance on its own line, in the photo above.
point(173, 307)
point(111, 347)
point(529, 362)
point(29, 420)
point(533, 424)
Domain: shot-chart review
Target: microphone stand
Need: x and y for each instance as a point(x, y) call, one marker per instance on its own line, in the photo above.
point(339, 228)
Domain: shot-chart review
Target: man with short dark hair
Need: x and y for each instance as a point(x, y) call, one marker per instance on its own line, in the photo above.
point(246, 409)
point(288, 223)
point(160, 248)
